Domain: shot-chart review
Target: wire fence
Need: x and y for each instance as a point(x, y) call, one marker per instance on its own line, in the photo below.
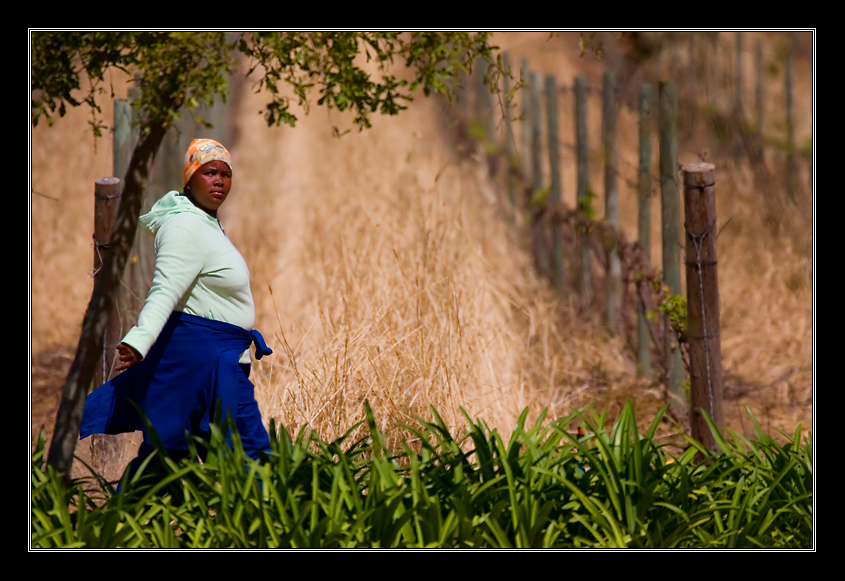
point(701, 95)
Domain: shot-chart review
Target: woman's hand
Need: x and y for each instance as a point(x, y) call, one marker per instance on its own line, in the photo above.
point(127, 356)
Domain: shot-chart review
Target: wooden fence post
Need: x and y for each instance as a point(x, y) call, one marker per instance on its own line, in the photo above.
point(107, 192)
point(140, 266)
point(123, 137)
point(703, 307)
point(106, 203)
point(556, 187)
point(583, 194)
point(525, 133)
point(670, 218)
point(511, 160)
point(483, 102)
point(538, 202)
point(644, 221)
point(613, 278)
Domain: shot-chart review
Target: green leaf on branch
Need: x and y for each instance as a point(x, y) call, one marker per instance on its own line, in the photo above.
point(585, 205)
point(539, 197)
point(675, 307)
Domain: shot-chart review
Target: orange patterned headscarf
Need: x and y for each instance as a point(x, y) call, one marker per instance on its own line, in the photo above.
point(200, 152)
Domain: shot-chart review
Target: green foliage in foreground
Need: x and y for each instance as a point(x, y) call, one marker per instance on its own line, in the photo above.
point(543, 487)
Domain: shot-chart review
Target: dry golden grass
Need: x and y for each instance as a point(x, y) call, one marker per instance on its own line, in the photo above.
point(384, 269)
point(404, 287)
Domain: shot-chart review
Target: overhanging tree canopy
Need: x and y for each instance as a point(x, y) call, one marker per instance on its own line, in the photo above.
point(179, 70)
point(185, 68)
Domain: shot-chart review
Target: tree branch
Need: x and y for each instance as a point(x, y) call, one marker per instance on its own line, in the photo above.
point(81, 374)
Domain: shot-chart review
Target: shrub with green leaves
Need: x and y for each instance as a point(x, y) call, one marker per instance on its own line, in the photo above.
point(541, 487)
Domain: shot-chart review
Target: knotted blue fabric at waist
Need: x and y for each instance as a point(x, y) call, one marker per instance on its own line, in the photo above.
point(191, 367)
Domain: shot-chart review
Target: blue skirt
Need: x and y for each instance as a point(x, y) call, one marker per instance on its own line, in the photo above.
point(192, 366)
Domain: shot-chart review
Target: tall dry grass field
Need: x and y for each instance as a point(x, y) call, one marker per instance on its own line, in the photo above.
point(397, 282)
point(384, 268)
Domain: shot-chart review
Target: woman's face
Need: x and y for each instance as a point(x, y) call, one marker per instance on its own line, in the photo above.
point(210, 185)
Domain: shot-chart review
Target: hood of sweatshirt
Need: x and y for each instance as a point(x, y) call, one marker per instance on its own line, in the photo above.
point(170, 204)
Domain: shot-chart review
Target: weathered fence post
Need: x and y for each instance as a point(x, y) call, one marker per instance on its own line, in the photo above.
point(525, 134)
point(483, 102)
point(613, 279)
point(644, 222)
point(556, 187)
point(670, 218)
point(703, 308)
point(124, 139)
point(539, 201)
point(511, 160)
point(106, 203)
point(168, 162)
point(137, 269)
point(583, 193)
point(107, 192)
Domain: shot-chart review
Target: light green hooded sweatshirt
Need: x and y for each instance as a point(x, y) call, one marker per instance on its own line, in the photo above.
point(197, 271)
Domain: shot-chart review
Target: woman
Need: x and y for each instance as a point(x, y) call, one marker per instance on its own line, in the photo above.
point(189, 351)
